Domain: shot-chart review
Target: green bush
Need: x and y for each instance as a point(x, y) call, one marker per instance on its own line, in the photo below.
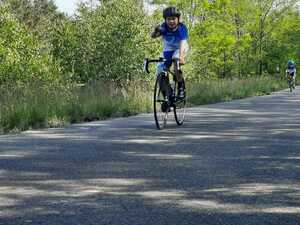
point(21, 59)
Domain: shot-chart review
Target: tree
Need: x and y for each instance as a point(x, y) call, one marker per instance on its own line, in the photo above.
point(21, 61)
point(34, 13)
point(268, 14)
point(107, 42)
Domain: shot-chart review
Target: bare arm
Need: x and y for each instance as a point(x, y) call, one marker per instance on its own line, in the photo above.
point(183, 48)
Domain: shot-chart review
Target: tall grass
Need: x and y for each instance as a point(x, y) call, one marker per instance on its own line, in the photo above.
point(36, 106)
point(31, 106)
point(102, 100)
point(211, 91)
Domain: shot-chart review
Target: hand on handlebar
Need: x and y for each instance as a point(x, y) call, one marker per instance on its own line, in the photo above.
point(181, 61)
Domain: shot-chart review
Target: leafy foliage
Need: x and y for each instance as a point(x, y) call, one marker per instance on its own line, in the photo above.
point(105, 43)
point(239, 37)
point(21, 60)
point(41, 50)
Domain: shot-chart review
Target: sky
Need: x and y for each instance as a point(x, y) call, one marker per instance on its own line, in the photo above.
point(67, 6)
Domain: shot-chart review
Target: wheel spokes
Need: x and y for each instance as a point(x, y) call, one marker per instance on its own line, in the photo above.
point(160, 107)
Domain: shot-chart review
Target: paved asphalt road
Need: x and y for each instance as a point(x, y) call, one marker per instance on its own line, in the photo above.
point(230, 163)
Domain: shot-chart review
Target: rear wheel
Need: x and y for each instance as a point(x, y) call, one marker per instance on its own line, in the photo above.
point(160, 105)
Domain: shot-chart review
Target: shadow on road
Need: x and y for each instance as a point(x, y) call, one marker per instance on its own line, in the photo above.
point(230, 163)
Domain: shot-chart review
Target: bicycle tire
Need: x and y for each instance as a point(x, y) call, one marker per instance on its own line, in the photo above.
point(160, 108)
point(180, 111)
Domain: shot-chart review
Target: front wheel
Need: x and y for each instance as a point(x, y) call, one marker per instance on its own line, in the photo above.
point(160, 105)
point(179, 110)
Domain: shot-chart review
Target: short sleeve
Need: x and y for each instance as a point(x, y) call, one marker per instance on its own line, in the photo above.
point(183, 32)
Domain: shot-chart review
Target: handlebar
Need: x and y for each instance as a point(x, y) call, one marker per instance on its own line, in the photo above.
point(147, 61)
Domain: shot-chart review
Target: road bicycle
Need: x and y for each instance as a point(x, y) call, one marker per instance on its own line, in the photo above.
point(290, 79)
point(165, 99)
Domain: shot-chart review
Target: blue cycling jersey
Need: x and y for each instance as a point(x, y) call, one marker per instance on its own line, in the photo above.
point(171, 39)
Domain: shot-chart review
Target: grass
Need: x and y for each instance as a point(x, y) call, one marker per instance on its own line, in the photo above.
point(35, 107)
point(211, 91)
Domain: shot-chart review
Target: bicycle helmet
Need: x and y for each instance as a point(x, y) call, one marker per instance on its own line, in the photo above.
point(291, 62)
point(171, 12)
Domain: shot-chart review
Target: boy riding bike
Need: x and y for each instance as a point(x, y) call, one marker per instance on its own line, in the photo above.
point(175, 46)
point(291, 72)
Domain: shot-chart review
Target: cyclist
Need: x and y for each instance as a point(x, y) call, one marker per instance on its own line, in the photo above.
point(291, 71)
point(175, 46)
